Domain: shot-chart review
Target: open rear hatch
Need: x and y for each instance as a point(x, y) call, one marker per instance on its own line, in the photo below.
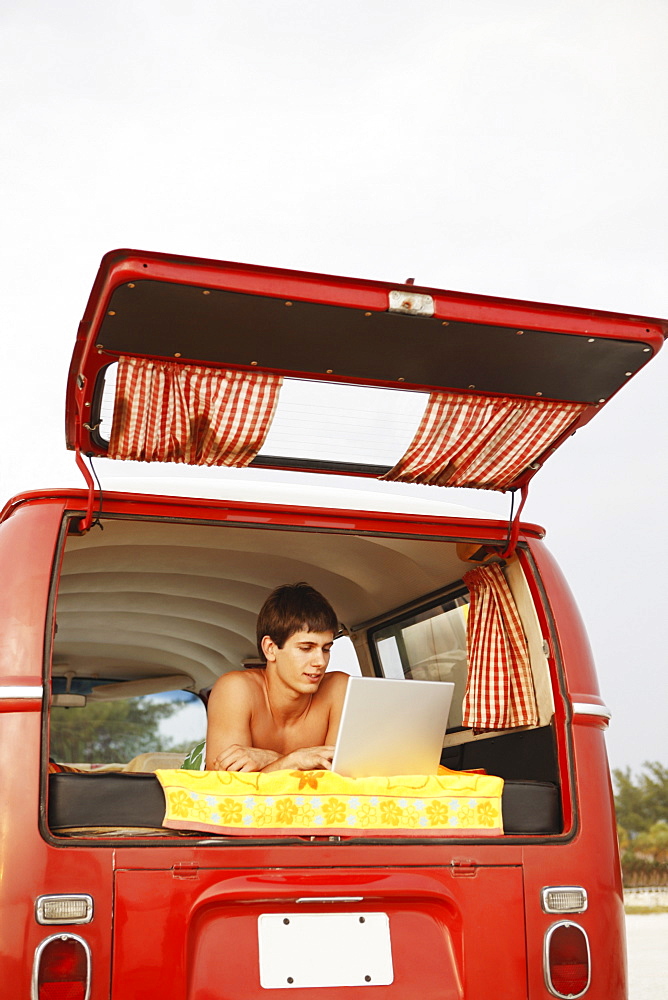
point(348, 373)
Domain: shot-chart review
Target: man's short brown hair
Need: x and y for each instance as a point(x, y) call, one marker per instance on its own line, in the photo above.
point(294, 607)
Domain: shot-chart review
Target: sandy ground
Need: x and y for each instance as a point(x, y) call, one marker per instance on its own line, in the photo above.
point(647, 942)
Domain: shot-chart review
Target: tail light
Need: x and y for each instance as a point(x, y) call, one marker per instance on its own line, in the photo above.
point(567, 963)
point(62, 969)
point(563, 899)
point(64, 909)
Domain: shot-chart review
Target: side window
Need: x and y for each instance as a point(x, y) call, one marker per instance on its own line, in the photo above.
point(99, 732)
point(429, 645)
point(344, 657)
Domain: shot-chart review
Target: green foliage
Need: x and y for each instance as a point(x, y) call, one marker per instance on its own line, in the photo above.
point(642, 818)
point(109, 731)
point(638, 872)
point(641, 803)
point(653, 842)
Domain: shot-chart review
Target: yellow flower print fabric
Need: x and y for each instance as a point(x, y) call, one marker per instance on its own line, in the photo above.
point(453, 803)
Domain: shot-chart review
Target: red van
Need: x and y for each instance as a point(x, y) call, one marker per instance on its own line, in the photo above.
point(121, 608)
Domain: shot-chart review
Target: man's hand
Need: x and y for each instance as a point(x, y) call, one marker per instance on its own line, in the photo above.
point(306, 759)
point(238, 758)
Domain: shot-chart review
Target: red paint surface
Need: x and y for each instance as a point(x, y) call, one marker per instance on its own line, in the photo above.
point(164, 931)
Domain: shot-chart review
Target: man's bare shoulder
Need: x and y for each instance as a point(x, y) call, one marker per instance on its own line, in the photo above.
point(333, 685)
point(238, 684)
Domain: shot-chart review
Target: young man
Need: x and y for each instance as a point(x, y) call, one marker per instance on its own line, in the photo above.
point(287, 714)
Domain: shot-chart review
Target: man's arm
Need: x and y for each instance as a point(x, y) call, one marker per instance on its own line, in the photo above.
point(306, 759)
point(338, 682)
point(315, 758)
point(228, 734)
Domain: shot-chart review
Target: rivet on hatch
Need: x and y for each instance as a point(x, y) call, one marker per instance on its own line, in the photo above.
point(368, 314)
point(520, 333)
point(131, 284)
point(401, 379)
point(329, 371)
point(253, 362)
point(445, 322)
point(646, 349)
point(112, 312)
point(288, 303)
point(539, 393)
point(100, 347)
point(591, 340)
point(177, 354)
point(628, 374)
point(471, 387)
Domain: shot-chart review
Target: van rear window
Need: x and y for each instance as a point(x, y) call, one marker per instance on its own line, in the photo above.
point(324, 422)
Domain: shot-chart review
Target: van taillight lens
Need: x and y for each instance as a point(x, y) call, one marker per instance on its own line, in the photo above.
point(563, 899)
point(64, 909)
point(567, 962)
point(62, 969)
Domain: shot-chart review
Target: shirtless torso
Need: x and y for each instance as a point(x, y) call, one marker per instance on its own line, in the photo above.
point(283, 716)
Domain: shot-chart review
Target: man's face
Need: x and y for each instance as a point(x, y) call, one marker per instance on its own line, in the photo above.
point(302, 661)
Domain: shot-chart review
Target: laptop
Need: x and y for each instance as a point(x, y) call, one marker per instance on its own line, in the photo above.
point(391, 727)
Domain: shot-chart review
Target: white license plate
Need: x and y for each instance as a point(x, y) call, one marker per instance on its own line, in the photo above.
point(324, 949)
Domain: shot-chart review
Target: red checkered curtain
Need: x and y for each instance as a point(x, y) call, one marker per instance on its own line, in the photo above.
point(167, 412)
point(481, 442)
point(499, 692)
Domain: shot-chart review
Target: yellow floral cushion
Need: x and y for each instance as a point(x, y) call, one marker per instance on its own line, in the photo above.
point(322, 802)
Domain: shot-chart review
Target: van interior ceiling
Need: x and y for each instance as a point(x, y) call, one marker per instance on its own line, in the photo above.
point(146, 607)
point(148, 599)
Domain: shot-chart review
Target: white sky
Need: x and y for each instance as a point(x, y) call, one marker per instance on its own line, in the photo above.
point(514, 148)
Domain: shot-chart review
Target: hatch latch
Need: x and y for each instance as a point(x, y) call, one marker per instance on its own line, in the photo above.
point(463, 868)
point(411, 303)
point(185, 869)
